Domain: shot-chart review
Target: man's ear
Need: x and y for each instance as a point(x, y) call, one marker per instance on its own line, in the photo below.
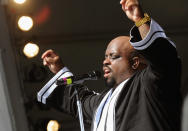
point(135, 63)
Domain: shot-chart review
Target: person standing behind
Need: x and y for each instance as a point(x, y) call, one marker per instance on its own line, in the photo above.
point(143, 75)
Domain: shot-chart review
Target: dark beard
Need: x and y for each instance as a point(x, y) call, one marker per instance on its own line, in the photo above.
point(110, 82)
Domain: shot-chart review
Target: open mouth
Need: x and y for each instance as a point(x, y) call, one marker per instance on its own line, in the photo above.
point(106, 72)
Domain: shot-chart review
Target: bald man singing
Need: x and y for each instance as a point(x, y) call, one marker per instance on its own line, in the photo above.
point(143, 75)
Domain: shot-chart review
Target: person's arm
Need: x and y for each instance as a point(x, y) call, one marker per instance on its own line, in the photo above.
point(52, 60)
point(149, 38)
point(63, 97)
point(162, 77)
point(134, 12)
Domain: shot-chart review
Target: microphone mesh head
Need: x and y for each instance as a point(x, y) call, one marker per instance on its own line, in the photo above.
point(95, 75)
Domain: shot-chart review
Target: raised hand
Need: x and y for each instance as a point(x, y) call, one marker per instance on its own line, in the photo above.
point(132, 9)
point(52, 60)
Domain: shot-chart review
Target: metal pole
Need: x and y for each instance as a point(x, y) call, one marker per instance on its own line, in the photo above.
point(79, 105)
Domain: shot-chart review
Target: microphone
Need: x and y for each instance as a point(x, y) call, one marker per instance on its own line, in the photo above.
point(93, 75)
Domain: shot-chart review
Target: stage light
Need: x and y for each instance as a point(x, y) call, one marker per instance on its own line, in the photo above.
point(53, 125)
point(19, 1)
point(31, 50)
point(25, 23)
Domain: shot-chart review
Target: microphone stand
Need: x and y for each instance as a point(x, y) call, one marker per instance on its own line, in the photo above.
point(79, 106)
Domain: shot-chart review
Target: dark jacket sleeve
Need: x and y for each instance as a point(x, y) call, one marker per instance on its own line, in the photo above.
point(159, 51)
point(64, 99)
point(161, 78)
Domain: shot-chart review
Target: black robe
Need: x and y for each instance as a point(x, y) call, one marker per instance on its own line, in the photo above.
point(149, 101)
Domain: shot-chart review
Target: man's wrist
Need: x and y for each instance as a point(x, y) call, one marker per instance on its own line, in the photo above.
point(143, 20)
